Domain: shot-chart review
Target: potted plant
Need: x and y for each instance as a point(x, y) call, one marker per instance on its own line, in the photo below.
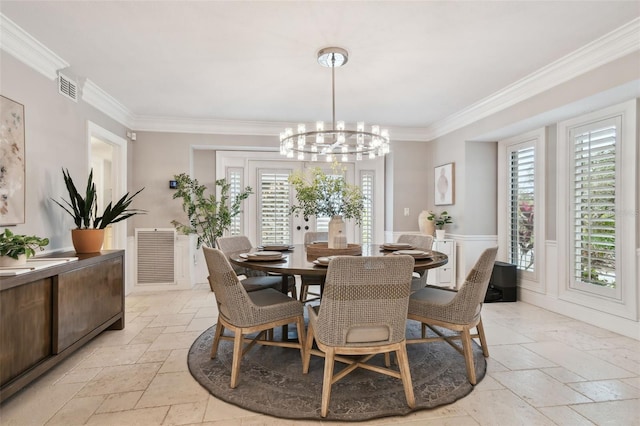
point(89, 232)
point(15, 249)
point(208, 216)
point(325, 195)
point(440, 221)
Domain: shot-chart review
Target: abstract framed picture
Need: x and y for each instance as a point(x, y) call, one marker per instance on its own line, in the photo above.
point(444, 184)
point(12, 162)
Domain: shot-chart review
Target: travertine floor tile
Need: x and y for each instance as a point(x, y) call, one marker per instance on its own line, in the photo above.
point(175, 362)
point(218, 410)
point(577, 361)
point(79, 375)
point(168, 320)
point(563, 375)
point(607, 390)
point(122, 378)
point(501, 407)
point(114, 355)
point(171, 389)
point(565, 416)
point(515, 357)
point(145, 416)
point(539, 389)
point(174, 341)
point(76, 412)
point(611, 412)
point(119, 402)
point(182, 414)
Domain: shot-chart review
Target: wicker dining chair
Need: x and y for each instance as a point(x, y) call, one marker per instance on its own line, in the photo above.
point(246, 313)
point(456, 310)
point(422, 242)
point(256, 280)
point(363, 312)
point(309, 280)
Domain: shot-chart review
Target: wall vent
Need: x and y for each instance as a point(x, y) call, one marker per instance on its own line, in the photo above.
point(67, 87)
point(155, 249)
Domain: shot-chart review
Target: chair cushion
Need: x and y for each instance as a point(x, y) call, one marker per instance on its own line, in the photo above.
point(260, 283)
point(268, 297)
point(368, 334)
point(433, 295)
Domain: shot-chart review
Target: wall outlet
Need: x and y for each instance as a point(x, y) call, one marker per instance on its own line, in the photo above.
point(406, 211)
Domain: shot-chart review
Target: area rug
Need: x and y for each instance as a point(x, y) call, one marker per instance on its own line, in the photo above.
point(271, 380)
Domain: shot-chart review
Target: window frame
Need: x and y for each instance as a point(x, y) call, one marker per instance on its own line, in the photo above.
point(531, 280)
point(621, 301)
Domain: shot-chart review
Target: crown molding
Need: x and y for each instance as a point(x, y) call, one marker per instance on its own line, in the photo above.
point(614, 45)
point(101, 100)
point(20, 44)
point(238, 127)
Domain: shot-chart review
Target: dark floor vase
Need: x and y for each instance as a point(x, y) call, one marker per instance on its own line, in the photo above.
point(87, 240)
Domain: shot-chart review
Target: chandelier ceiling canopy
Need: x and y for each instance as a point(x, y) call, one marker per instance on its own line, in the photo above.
point(337, 143)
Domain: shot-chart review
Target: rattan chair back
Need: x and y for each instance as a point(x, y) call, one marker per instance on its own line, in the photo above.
point(423, 242)
point(312, 236)
point(365, 293)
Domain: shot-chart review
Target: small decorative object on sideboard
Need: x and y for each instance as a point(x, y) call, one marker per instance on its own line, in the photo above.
point(328, 196)
point(15, 249)
point(88, 235)
point(440, 221)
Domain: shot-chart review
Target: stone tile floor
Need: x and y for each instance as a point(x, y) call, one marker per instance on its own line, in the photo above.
point(544, 369)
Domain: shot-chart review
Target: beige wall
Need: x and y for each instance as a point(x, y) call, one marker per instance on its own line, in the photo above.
point(56, 137)
point(595, 89)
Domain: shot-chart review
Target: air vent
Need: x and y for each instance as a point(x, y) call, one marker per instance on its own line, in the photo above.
point(155, 256)
point(67, 87)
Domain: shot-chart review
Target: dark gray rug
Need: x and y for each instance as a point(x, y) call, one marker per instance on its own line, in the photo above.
point(271, 380)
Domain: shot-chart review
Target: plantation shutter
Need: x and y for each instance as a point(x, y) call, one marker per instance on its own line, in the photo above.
point(274, 195)
point(367, 226)
point(594, 203)
point(522, 207)
point(234, 178)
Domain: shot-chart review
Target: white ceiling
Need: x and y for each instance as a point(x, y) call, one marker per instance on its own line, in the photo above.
point(411, 64)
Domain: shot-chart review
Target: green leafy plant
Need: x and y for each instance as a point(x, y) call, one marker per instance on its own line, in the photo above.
point(13, 245)
point(84, 210)
point(320, 194)
point(440, 220)
point(208, 216)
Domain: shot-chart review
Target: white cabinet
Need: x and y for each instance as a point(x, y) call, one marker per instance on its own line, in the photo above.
point(444, 276)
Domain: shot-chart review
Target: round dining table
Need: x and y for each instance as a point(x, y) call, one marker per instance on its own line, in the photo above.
point(296, 261)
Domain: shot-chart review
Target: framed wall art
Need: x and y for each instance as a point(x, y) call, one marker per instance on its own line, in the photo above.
point(12, 162)
point(444, 185)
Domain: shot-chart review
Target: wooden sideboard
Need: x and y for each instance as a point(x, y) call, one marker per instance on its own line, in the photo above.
point(47, 314)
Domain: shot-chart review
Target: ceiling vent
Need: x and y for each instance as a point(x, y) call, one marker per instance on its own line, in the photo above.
point(67, 87)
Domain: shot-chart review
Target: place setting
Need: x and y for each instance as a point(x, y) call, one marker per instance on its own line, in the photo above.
point(416, 254)
point(263, 256)
point(323, 261)
point(275, 247)
point(396, 246)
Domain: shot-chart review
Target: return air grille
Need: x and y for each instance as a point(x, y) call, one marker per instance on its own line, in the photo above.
point(155, 256)
point(67, 87)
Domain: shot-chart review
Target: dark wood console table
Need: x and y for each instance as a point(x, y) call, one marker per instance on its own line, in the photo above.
point(47, 314)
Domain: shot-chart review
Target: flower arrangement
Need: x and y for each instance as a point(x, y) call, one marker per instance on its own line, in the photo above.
point(324, 195)
point(441, 219)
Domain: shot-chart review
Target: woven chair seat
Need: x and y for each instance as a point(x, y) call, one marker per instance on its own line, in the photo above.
point(252, 284)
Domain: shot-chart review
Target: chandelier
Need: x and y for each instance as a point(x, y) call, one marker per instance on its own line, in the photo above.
point(337, 143)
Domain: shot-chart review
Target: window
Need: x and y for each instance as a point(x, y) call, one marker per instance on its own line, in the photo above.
point(594, 203)
point(234, 178)
point(521, 184)
point(522, 207)
point(274, 195)
point(367, 226)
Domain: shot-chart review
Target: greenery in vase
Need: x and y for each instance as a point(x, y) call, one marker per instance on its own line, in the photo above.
point(13, 245)
point(326, 195)
point(440, 220)
point(84, 209)
point(208, 216)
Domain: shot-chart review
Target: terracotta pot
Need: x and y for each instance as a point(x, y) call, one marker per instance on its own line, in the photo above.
point(87, 240)
point(10, 262)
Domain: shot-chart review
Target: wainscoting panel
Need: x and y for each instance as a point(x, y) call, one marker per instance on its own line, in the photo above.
point(469, 248)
